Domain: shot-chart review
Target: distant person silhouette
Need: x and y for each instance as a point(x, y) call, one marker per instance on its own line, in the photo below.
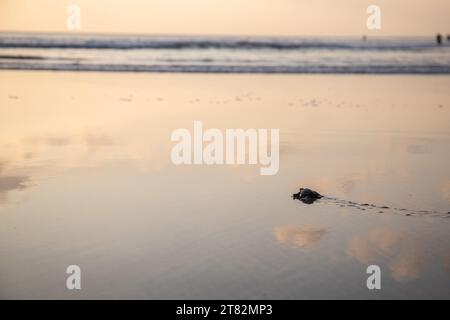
point(439, 39)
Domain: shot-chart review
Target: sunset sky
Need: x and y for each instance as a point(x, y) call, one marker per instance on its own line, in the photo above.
point(229, 17)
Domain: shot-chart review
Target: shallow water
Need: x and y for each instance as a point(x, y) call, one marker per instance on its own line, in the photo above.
point(86, 179)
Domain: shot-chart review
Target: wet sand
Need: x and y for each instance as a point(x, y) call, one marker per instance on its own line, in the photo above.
point(86, 179)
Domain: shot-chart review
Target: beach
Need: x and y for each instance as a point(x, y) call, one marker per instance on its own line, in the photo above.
point(86, 178)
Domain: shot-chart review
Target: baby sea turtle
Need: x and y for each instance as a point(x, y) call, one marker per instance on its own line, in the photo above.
point(307, 196)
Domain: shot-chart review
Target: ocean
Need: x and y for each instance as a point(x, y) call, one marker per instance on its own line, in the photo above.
point(142, 53)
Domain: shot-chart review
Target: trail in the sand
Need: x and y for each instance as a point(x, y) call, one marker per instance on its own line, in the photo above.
point(308, 196)
point(382, 209)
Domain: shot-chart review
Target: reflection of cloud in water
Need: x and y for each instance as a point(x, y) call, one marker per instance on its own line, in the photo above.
point(366, 248)
point(445, 190)
point(87, 148)
point(37, 149)
point(297, 236)
point(10, 183)
point(45, 148)
point(406, 264)
point(407, 267)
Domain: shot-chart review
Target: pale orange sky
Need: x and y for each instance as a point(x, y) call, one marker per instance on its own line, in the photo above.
point(229, 17)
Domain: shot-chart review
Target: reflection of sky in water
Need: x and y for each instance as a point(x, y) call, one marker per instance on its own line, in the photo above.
point(298, 237)
point(93, 184)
